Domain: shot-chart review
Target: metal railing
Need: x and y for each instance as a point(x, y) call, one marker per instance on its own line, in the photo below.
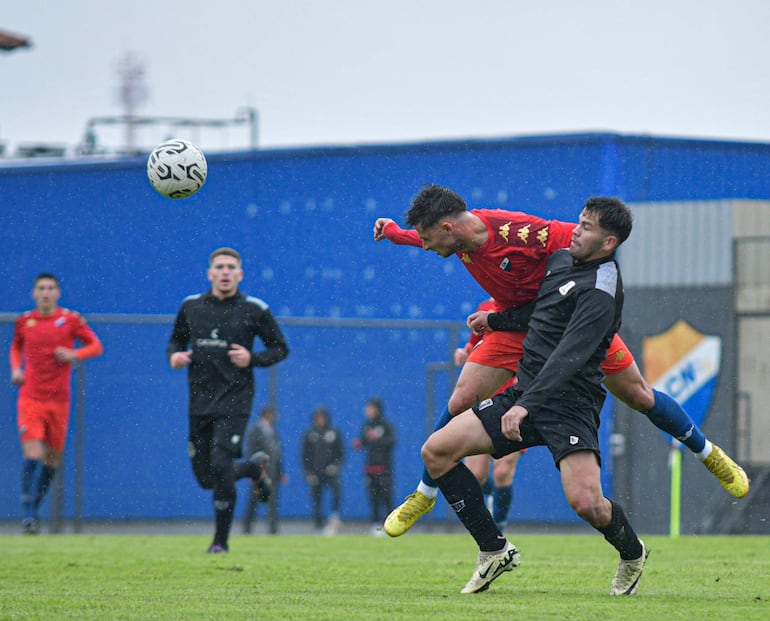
point(58, 492)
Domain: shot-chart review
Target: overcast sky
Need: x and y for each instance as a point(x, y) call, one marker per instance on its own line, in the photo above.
point(354, 71)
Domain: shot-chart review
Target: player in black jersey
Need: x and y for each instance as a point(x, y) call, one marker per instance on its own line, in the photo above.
point(213, 337)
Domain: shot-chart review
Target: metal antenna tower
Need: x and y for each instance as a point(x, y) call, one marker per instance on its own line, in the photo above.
point(132, 93)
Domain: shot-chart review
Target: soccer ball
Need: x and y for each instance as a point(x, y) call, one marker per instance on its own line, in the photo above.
point(177, 169)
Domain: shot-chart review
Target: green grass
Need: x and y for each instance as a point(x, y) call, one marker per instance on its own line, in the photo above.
point(361, 577)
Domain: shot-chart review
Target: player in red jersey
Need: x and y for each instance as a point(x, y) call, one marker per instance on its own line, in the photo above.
point(506, 253)
point(42, 353)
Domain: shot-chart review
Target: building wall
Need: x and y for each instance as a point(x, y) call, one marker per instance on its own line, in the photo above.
point(303, 219)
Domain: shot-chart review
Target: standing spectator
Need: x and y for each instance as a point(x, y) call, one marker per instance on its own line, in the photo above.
point(220, 327)
point(42, 355)
point(378, 438)
point(322, 456)
point(263, 437)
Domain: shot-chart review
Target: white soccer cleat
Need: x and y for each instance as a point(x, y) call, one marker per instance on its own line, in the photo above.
point(491, 566)
point(626, 580)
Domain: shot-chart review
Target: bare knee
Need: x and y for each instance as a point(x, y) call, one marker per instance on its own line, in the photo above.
point(34, 449)
point(635, 392)
point(431, 457)
point(597, 511)
point(640, 397)
point(503, 473)
point(437, 456)
point(460, 401)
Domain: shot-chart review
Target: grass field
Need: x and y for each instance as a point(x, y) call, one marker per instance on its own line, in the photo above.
point(360, 577)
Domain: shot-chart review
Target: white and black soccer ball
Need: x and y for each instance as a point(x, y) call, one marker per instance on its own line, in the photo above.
point(177, 169)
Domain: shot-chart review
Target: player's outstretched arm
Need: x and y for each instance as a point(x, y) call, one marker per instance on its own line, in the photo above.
point(386, 228)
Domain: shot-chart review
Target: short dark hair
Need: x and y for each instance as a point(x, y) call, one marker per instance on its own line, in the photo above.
point(433, 203)
point(322, 410)
point(230, 252)
point(613, 215)
point(377, 404)
point(46, 276)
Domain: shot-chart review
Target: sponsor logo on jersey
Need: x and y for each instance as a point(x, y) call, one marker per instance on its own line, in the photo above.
point(523, 233)
point(566, 287)
point(60, 322)
point(573, 440)
point(505, 265)
point(684, 364)
point(212, 341)
point(504, 231)
point(542, 236)
point(485, 404)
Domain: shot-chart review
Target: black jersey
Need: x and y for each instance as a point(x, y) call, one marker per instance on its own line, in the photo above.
point(577, 313)
point(209, 326)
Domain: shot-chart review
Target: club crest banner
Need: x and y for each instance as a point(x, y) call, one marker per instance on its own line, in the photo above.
point(684, 364)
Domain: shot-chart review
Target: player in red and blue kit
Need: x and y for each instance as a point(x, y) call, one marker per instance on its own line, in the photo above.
point(506, 253)
point(42, 354)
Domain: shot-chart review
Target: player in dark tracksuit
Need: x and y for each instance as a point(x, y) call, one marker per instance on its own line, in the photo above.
point(220, 328)
point(555, 403)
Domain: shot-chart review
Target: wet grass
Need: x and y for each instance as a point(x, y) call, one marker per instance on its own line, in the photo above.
point(361, 577)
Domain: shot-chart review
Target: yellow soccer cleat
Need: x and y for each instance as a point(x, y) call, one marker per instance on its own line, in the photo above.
point(403, 517)
point(729, 474)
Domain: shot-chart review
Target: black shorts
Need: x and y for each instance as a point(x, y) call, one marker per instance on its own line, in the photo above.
point(563, 426)
point(224, 431)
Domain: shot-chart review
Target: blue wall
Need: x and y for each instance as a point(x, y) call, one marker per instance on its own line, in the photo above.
point(302, 219)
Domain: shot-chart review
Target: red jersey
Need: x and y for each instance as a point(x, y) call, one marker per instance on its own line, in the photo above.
point(511, 264)
point(35, 338)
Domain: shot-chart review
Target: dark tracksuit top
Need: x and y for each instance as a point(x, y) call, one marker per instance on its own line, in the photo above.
point(378, 451)
point(578, 311)
point(321, 447)
point(210, 326)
